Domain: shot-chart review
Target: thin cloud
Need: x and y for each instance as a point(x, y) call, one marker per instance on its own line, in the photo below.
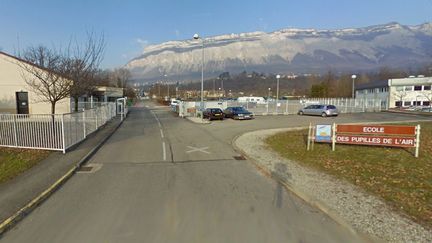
point(143, 43)
point(177, 33)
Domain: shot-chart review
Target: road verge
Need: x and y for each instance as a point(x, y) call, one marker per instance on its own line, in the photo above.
point(342, 201)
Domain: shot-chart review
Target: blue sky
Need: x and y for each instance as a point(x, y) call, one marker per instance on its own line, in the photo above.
point(130, 25)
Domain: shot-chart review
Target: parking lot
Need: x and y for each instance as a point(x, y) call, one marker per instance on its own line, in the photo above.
point(229, 128)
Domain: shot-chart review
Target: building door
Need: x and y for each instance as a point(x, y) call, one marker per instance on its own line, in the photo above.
point(22, 102)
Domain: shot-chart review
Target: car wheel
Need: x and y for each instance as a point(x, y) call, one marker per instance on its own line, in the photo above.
point(300, 113)
point(323, 114)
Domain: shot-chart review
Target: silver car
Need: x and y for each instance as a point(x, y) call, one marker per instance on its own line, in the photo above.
point(319, 110)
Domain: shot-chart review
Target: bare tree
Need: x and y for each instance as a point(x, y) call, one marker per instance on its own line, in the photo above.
point(82, 63)
point(122, 77)
point(428, 95)
point(400, 95)
point(42, 70)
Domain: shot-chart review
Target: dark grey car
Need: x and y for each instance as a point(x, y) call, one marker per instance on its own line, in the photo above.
point(319, 110)
point(238, 113)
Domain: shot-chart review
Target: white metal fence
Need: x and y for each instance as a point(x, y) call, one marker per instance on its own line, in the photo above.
point(52, 132)
point(286, 107)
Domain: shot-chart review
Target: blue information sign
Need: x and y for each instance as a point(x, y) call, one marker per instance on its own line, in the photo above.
point(323, 133)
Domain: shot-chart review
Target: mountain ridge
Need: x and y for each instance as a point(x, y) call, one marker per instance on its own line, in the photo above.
point(289, 50)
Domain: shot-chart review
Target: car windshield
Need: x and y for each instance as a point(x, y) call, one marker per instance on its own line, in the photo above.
point(215, 110)
point(238, 109)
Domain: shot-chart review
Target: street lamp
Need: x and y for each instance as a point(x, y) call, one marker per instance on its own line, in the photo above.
point(196, 37)
point(277, 92)
point(268, 97)
point(353, 82)
point(166, 80)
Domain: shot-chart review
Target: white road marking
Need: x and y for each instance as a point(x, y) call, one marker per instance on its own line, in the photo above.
point(195, 149)
point(161, 131)
point(162, 136)
point(163, 151)
point(157, 119)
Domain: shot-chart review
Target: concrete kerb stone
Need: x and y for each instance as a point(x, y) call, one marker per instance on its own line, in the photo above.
point(38, 200)
point(198, 120)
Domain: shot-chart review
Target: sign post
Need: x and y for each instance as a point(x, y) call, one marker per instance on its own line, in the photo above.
point(417, 141)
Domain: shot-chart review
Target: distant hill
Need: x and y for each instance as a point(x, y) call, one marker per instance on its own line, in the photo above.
point(289, 51)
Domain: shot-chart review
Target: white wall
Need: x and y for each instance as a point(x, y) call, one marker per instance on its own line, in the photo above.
point(11, 81)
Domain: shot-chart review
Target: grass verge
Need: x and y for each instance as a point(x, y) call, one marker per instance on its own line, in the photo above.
point(15, 161)
point(394, 174)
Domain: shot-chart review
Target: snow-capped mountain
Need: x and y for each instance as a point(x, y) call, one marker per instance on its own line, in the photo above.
point(289, 50)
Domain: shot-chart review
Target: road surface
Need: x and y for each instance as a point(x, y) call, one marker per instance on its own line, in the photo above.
point(160, 178)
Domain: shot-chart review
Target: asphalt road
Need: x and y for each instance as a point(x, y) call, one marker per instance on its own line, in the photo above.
point(160, 178)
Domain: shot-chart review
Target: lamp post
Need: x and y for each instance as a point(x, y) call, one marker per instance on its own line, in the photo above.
point(168, 88)
point(196, 37)
point(353, 83)
point(277, 92)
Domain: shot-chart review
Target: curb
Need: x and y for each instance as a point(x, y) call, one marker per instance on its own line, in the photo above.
point(334, 215)
point(38, 200)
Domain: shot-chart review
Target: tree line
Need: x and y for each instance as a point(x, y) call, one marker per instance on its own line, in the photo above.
point(330, 84)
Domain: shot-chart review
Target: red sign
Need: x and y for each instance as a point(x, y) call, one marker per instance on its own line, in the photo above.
point(377, 129)
point(376, 140)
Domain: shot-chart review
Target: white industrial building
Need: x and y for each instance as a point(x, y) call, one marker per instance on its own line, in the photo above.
point(399, 92)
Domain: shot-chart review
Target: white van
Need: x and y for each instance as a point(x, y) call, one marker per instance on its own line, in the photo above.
point(252, 99)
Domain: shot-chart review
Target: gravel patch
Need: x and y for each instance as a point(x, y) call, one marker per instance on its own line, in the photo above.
point(366, 213)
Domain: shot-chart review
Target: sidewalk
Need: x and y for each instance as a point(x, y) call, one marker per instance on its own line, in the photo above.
point(16, 193)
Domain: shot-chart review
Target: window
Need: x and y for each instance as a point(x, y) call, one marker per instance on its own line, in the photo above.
point(426, 103)
point(407, 103)
point(385, 89)
point(370, 91)
point(408, 88)
point(398, 103)
point(416, 103)
point(417, 88)
point(427, 87)
point(399, 88)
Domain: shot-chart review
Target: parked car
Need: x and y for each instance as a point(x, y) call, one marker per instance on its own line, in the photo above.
point(426, 109)
point(319, 110)
point(238, 113)
point(213, 114)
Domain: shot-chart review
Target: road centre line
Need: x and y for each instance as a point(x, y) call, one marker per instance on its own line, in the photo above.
point(164, 151)
point(162, 136)
point(157, 119)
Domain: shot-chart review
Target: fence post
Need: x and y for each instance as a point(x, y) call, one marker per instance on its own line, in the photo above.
point(84, 124)
point(63, 133)
point(417, 143)
point(268, 103)
point(96, 118)
point(15, 130)
point(287, 107)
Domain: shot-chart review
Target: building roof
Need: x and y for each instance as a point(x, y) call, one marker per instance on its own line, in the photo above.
point(411, 81)
point(372, 85)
